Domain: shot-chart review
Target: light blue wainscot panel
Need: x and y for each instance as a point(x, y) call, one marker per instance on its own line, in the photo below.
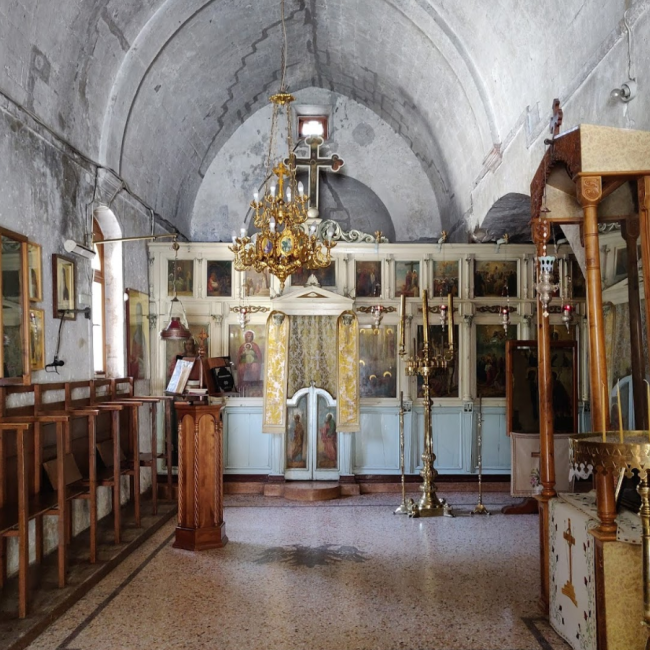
point(451, 434)
point(246, 449)
point(495, 441)
point(375, 448)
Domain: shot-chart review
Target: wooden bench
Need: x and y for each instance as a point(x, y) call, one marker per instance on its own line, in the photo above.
point(78, 484)
point(28, 503)
point(14, 520)
point(123, 391)
point(121, 464)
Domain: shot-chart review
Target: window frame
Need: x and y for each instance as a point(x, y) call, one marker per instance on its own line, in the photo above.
point(100, 278)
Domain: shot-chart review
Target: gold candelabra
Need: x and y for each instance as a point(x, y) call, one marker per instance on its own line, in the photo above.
point(424, 363)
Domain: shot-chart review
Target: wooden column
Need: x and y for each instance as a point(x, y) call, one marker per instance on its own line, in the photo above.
point(630, 232)
point(541, 233)
point(643, 188)
point(200, 478)
point(589, 193)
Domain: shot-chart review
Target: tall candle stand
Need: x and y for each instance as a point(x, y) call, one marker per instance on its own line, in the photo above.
point(480, 509)
point(403, 508)
point(612, 453)
point(424, 363)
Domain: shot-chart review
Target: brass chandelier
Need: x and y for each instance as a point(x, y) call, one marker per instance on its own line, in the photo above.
point(285, 242)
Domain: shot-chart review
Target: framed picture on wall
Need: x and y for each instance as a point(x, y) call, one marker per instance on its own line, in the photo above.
point(368, 280)
point(325, 277)
point(35, 272)
point(491, 359)
point(407, 279)
point(378, 361)
point(181, 272)
point(445, 278)
point(36, 339)
point(247, 352)
point(257, 284)
point(137, 338)
point(494, 278)
point(63, 287)
point(522, 387)
point(219, 280)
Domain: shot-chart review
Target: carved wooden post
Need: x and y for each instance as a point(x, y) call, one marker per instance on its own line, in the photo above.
point(200, 478)
point(643, 188)
point(541, 234)
point(589, 193)
point(630, 232)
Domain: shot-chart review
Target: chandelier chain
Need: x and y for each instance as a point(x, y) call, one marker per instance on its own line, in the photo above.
point(285, 240)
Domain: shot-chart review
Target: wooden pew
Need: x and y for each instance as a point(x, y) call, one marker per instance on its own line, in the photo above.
point(123, 391)
point(14, 520)
point(29, 503)
point(78, 484)
point(100, 394)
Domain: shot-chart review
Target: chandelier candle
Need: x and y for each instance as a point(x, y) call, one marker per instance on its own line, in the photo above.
point(450, 300)
point(402, 329)
point(620, 413)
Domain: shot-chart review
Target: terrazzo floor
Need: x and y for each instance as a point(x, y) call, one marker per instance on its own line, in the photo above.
point(339, 575)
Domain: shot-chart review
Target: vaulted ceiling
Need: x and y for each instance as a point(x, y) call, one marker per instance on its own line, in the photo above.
point(154, 88)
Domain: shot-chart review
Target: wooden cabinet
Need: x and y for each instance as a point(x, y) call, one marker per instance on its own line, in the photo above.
point(200, 477)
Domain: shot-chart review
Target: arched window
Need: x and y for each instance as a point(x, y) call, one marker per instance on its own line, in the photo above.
point(99, 304)
point(108, 295)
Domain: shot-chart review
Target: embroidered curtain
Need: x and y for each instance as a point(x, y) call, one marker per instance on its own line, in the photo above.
point(312, 353)
point(348, 419)
point(275, 381)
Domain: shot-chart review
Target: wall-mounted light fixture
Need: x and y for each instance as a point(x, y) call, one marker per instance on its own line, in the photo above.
point(626, 92)
point(71, 246)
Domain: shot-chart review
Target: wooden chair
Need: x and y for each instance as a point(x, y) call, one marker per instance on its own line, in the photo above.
point(100, 398)
point(78, 485)
point(29, 504)
point(73, 485)
point(123, 392)
point(14, 517)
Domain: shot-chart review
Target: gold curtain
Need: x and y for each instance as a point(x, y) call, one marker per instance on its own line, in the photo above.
point(275, 380)
point(348, 419)
point(312, 353)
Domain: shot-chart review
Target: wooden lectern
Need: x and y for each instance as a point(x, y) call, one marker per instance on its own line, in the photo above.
point(200, 477)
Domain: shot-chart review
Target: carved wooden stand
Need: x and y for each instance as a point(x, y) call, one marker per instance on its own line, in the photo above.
point(620, 451)
point(200, 478)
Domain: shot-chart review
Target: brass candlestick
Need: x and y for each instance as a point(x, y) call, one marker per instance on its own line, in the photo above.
point(614, 452)
point(424, 363)
point(480, 509)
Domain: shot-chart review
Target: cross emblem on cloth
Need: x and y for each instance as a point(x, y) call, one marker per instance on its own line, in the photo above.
point(314, 162)
point(568, 590)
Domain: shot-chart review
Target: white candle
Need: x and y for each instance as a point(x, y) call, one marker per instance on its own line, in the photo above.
point(402, 318)
point(425, 318)
point(620, 412)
